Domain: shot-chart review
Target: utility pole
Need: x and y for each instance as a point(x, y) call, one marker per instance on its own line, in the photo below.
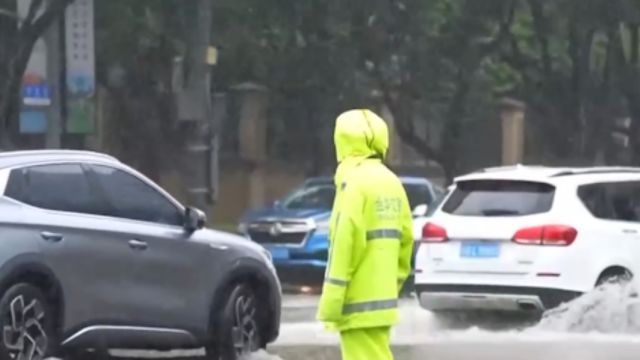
point(195, 106)
point(54, 71)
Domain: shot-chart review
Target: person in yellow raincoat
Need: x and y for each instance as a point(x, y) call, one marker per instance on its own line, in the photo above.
point(371, 241)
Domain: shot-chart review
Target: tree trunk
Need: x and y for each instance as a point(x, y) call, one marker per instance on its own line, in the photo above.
point(15, 52)
point(9, 107)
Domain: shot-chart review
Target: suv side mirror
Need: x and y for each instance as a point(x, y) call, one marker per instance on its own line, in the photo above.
point(194, 219)
point(420, 210)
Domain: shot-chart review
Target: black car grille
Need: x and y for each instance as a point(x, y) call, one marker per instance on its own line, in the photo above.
point(283, 238)
point(316, 255)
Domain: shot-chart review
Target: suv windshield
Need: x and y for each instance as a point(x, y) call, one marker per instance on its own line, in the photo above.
point(418, 194)
point(319, 195)
point(499, 198)
point(311, 196)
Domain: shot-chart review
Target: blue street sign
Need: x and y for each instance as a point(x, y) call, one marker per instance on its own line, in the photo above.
point(38, 94)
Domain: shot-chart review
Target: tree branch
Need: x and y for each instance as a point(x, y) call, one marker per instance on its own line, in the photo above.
point(609, 64)
point(454, 115)
point(400, 97)
point(31, 13)
point(635, 38)
point(537, 13)
point(404, 122)
point(504, 31)
point(627, 75)
point(31, 29)
point(53, 11)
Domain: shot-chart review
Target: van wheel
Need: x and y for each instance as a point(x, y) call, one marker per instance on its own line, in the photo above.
point(27, 323)
point(239, 331)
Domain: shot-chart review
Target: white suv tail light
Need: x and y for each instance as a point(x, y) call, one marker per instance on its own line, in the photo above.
point(432, 233)
point(551, 235)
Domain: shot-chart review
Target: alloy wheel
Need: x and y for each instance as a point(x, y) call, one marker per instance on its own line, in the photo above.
point(23, 334)
point(245, 333)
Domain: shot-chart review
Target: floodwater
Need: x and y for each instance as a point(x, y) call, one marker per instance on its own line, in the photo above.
point(604, 324)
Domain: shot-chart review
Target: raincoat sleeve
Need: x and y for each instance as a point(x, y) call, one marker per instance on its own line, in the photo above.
point(406, 244)
point(347, 231)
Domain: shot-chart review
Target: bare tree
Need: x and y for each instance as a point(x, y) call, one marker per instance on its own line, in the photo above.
point(17, 39)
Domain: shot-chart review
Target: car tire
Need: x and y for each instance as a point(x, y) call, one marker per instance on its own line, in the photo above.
point(239, 328)
point(621, 276)
point(27, 321)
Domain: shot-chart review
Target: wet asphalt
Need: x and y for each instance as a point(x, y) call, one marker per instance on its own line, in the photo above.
point(420, 337)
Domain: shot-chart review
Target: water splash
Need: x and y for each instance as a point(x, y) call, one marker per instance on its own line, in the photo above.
point(611, 308)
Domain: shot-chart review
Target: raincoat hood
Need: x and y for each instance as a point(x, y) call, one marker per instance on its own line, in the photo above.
point(360, 134)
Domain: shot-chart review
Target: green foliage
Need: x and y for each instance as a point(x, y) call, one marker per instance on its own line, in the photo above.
point(441, 62)
point(504, 78)
point(136, 43)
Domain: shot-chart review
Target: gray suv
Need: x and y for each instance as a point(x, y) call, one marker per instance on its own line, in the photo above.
point(96, 256)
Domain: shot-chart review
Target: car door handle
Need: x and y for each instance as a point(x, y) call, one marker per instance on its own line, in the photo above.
point(138, 245)
point(630, 231)
point(51, 237)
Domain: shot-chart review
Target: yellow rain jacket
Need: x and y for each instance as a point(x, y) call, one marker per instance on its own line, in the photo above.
point(370, 232)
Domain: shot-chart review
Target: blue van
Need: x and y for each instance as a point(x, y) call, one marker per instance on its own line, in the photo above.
point(295, 228)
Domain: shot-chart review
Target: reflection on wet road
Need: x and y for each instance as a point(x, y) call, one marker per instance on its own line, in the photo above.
point(568, 334)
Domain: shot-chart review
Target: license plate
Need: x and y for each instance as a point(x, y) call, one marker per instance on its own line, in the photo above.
point(480, 250)
point(279, 253)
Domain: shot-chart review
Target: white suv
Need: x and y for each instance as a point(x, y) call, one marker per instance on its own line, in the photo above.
point(526, 239)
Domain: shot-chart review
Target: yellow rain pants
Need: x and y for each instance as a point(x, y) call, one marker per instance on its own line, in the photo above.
point(366, 344)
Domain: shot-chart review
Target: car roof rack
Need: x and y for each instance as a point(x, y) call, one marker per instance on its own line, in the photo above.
point(507, 167)
point(597, 170)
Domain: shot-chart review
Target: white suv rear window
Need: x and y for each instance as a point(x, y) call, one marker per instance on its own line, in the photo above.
point(499, 198)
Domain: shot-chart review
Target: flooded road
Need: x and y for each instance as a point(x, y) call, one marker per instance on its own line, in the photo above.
point(600, 325)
